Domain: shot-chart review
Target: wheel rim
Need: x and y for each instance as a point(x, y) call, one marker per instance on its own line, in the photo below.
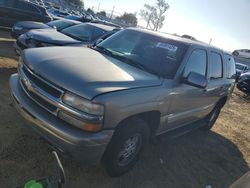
point(130, 150)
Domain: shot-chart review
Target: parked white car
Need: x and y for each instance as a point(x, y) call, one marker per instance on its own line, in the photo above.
point(242, 53)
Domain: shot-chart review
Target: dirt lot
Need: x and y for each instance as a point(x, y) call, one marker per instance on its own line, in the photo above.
point(197, 159)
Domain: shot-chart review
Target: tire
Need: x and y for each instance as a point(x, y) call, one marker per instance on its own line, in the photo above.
point(211, 118)
point(125, 147)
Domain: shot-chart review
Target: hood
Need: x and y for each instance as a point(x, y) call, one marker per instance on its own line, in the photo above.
point(86, 72)
point(32, 25)
point(51, 36)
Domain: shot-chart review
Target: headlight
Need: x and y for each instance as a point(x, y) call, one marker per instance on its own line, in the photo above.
point(83, 104)
point(18, 28)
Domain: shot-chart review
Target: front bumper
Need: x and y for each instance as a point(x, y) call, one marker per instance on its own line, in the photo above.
point(80, 145)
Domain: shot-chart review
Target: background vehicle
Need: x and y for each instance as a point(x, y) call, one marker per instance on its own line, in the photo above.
point(105, 103)
point(245, 53)
point(244, 83)
point(22, 27)
point(12, 11)
point(81, 34)
point(240, 68)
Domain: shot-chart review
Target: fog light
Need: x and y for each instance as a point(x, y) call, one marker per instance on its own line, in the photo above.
point(90, 127)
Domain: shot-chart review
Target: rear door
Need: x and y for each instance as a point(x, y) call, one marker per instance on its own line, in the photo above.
point(217, 87)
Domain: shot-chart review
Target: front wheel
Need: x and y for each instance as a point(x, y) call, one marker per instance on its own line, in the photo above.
point(125, 147)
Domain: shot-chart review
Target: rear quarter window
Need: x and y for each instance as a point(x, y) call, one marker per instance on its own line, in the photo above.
point(215, 66)
point(230, 67)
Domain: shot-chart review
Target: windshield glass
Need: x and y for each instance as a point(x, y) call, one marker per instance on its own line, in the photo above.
point(60, 24)
point(154, 54)
point(84, 32)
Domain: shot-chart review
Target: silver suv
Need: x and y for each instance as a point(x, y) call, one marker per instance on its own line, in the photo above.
point(104, 103)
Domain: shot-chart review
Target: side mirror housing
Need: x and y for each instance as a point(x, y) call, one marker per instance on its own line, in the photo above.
point(98, 42)
point(196, 80)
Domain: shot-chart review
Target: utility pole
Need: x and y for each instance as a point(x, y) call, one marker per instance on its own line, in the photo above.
point(112, 12)
point(99, 6)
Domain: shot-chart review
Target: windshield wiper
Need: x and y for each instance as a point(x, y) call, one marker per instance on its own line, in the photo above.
point(102, 50)
point(74, 37)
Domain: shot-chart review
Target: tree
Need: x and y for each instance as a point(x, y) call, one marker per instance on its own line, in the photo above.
point(90, 11)
point(162, 6)
point(102, 13)
point(128, 18)
point(154, 15)
point(148, 14)
point(76, 2)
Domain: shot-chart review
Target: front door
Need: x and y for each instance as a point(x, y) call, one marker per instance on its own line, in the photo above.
point(190, 103)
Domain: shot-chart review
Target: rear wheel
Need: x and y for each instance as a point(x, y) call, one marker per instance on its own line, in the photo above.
point(126, 146)
point(211, 118)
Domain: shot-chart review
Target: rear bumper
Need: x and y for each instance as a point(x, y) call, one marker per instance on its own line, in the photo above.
point(82, 146)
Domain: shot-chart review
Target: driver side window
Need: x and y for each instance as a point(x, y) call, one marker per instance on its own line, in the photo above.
point(197, 63)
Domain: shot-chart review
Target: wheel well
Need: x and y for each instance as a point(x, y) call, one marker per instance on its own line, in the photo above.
point(222, 101)
point(152, 118)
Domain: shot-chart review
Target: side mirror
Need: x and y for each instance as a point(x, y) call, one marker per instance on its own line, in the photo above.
point(98, 42)
point(196, 80)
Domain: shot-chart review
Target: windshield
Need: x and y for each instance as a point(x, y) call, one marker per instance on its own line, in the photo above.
point(154, 54)
point(60, 24)
point(84, 32)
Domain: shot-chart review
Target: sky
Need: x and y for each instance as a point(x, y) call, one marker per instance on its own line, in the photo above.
point(226, 22)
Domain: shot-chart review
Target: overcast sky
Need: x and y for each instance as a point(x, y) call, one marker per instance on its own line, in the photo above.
point(227, 22)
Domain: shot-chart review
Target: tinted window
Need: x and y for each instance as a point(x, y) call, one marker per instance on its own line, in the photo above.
point(197, 62)
point(157, 55)
point(230, 63)
point(81, 32)
point(215, 66)
point(26, 6)
point(60, 24)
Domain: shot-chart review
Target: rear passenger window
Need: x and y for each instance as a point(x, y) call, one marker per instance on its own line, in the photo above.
point(26, 6)
point(197, 63)
point(230, 63)
point(215, 66)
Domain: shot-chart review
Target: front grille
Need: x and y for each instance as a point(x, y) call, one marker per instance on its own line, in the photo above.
point(39, 100)
point(39, 90)
point(41, 84)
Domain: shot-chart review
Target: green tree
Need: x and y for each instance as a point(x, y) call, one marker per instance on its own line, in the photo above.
point(128, 18)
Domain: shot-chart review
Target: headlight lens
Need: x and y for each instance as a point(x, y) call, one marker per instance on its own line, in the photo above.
point(83, 104)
